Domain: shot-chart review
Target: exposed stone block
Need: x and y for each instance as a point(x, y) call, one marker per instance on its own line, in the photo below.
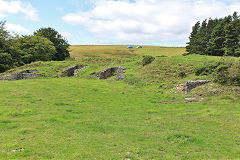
point(72, 71)
point(193, 84)
point(103, 74)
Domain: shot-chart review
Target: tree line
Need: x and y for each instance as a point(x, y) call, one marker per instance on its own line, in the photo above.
point(45, 44)
point(216, 37)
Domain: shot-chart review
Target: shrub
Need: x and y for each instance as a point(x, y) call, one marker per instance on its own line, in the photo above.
point(205, 69)
point(228, 74)
point(182, 74)
point(236, 80)
point(147, 60)
point(222, 77)
point(186, 54)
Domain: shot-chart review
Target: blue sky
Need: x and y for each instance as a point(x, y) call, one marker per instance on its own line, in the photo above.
point(149, 22)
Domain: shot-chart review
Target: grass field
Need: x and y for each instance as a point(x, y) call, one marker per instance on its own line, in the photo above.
point(79, 51)
point(142, 117)
point(73, 118)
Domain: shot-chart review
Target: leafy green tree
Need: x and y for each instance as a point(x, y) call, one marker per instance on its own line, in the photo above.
point(6, 61)
point(58, 41)
point(35, 48)
point(4, 37)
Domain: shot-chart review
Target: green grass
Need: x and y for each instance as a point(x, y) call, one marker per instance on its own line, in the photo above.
point(72, 118)
point(78, 51)
point(141, 117)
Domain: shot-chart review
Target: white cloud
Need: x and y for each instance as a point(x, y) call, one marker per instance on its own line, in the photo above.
point(15, 7)
point(66, 34)
point(148, 20)
point(16, 28)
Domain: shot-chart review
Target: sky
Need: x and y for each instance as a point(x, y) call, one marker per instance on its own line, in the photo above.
point(114, 22)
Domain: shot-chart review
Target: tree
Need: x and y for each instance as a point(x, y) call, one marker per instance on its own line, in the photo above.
point(6, 61)
point(35, 48)
point(58, 41)
point(4, 37)
point(191, 45)
point(216, 37)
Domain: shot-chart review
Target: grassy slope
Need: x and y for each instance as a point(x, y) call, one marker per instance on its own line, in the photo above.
point(72, 118)
point(121, 51)
point(85, 118)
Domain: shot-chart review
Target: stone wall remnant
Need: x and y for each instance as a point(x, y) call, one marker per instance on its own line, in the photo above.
point(193, 84)
point(25, 74)
point(72, 71)
point(103, 74)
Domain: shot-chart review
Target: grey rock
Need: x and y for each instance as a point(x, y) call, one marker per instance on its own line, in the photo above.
point(25, 74)
point(193, 84)
point(72, 71)
point(103, 74)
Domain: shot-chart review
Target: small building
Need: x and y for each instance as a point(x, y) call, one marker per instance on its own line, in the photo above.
point(129, 46)
point(139, 47)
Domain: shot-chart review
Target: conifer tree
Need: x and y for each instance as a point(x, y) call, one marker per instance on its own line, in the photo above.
point(191, 47)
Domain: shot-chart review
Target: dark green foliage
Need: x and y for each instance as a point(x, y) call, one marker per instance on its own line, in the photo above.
point(19, 50)
point(147, 60)
point(218, 37)
point(58, 41)
point(235, 80)
point(186, 54)
point(182, 74)
point(205, 69)
point(223, 72)
point(5, 61)
point(35, 48)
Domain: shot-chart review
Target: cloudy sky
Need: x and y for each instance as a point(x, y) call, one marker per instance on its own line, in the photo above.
point(149, 22)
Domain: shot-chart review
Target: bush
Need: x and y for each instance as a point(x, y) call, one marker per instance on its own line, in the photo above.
point(147, 60)
point(182, 74)
point(206, 69)
point(228, 74)
point(236, 80)
point(186, 54)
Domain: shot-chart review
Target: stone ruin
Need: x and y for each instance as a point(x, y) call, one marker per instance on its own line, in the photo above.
point(105, 73)
point(193, 84)
point(25, 74)
point(72, 71)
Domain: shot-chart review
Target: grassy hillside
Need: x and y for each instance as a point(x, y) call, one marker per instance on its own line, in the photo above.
point(145, 116)
point(121, 51)
point(71, 118)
